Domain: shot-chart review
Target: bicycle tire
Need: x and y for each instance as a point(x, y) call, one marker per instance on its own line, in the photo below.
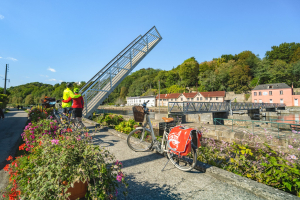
point(191, 160)
point(136, 142)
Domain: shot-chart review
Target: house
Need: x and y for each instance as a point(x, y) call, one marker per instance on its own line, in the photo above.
point(131, 101)
point(275, 93)
point(217, 96)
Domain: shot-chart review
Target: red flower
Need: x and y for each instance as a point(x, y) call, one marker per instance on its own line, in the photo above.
point(6, 168)
point(21, 147)
point(9, 158)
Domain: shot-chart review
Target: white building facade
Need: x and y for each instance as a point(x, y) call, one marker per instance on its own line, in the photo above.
point(132, 101)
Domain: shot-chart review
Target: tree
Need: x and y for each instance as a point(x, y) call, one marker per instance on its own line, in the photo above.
point(239, 78)
point(123, 92)
point(29, 100)
point(3, 100)
point(296, 55)
point(188, 72)
point(284, 51)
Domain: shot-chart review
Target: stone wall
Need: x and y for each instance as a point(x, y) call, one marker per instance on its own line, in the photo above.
point(242, 136)
point(240, 97)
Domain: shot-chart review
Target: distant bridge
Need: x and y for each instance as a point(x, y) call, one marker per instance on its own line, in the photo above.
point(204, 107)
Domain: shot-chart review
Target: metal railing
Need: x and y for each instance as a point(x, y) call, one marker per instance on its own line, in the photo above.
point(97, 89)
point(257, 127)
point(200, 107)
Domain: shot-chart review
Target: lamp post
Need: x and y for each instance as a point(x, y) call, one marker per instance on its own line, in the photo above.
point(230, 105)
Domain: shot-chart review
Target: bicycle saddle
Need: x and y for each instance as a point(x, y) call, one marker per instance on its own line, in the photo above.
point(168, 119)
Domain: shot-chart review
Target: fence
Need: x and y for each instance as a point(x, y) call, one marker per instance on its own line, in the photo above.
point(196, 107)
point(258, 127)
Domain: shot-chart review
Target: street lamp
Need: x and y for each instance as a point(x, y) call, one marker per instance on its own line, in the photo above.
point(230, 105)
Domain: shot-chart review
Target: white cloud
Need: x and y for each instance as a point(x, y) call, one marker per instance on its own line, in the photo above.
point(1, 17)
point(61, 81)
point(44, 75)
point(51, 69)
point(0, 57)
point(53, 79)
point(10, 58)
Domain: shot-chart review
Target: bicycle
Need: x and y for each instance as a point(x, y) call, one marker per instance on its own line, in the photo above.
point(61, 118)
point(143, 139)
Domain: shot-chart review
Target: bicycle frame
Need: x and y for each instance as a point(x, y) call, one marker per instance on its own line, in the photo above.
point(154, 140)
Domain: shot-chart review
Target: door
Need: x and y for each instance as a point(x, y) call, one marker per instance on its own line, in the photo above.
point(295, 102)
point(281, 100)
point(271, 100)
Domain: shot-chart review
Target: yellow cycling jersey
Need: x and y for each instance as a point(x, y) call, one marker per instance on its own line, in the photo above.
point(68, 93)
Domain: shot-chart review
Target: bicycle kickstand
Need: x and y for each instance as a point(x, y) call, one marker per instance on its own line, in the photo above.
point(165, 165)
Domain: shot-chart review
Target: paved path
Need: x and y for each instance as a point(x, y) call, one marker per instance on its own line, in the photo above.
point(147, 181)
point(10, 132)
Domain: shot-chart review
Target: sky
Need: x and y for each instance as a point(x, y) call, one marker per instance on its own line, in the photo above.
point(71, 40)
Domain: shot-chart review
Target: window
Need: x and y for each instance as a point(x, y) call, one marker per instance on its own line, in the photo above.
point(160, 99)
point(270, 93)
point(255, 93)
point(259, 93)
point(217, 98)
point(260, 101)
point(255, 101)
point(210, 98)
point(192, 99)
point(201, 98)
point(206, 98)
point(165, 99)
point(281, 100)
point(281, 92)
point(198, 98)
point(188, 99)
point(181, 99)
point(271, 100)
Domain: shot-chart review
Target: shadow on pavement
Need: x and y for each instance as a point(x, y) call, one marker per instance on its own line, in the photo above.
point(98, 141)
point(145, 190)
point(140, 160)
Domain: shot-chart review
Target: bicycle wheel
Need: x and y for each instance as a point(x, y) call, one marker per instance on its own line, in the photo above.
point(184, 163)
point(139, 140)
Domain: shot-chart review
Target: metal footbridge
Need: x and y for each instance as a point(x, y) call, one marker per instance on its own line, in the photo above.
point(97, 89)
point(204, 107)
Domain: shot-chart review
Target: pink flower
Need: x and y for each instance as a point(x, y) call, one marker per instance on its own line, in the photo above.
point(293, 157)
point(54, 141)
point(78, 138)
point(119, 178)
point(51, 117)
point(290, 146)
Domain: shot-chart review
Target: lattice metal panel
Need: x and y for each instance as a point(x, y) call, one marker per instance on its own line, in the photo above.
point(106, 80)
point(198, 107)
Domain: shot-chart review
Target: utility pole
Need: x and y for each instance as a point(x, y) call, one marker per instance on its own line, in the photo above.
point(5, 78)
point(159, 96)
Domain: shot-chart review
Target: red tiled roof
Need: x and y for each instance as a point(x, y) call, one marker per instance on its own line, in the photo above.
point(213, 94)
point(190, 95)
point(169, 96)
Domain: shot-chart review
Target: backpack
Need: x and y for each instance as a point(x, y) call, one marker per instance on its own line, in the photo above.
point(181, 140)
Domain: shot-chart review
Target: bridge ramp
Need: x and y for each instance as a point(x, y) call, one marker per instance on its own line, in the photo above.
point(106, 80)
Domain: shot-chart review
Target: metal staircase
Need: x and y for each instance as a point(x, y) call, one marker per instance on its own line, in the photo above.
point(97, 89)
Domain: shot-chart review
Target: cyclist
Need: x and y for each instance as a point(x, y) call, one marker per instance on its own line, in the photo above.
point(68, 93)
point(77, 104)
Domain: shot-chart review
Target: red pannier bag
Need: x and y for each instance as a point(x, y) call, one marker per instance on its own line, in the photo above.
point(180, 140)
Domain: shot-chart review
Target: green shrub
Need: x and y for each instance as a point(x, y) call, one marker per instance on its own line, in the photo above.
point(126, 126)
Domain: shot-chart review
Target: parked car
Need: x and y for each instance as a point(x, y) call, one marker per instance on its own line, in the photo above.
point(122, 105)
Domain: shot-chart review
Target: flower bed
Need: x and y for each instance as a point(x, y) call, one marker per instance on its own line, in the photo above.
point(256, 160)
point(55, 159)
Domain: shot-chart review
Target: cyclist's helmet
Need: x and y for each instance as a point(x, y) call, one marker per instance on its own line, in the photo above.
point(76, 90)
point(69, 85)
